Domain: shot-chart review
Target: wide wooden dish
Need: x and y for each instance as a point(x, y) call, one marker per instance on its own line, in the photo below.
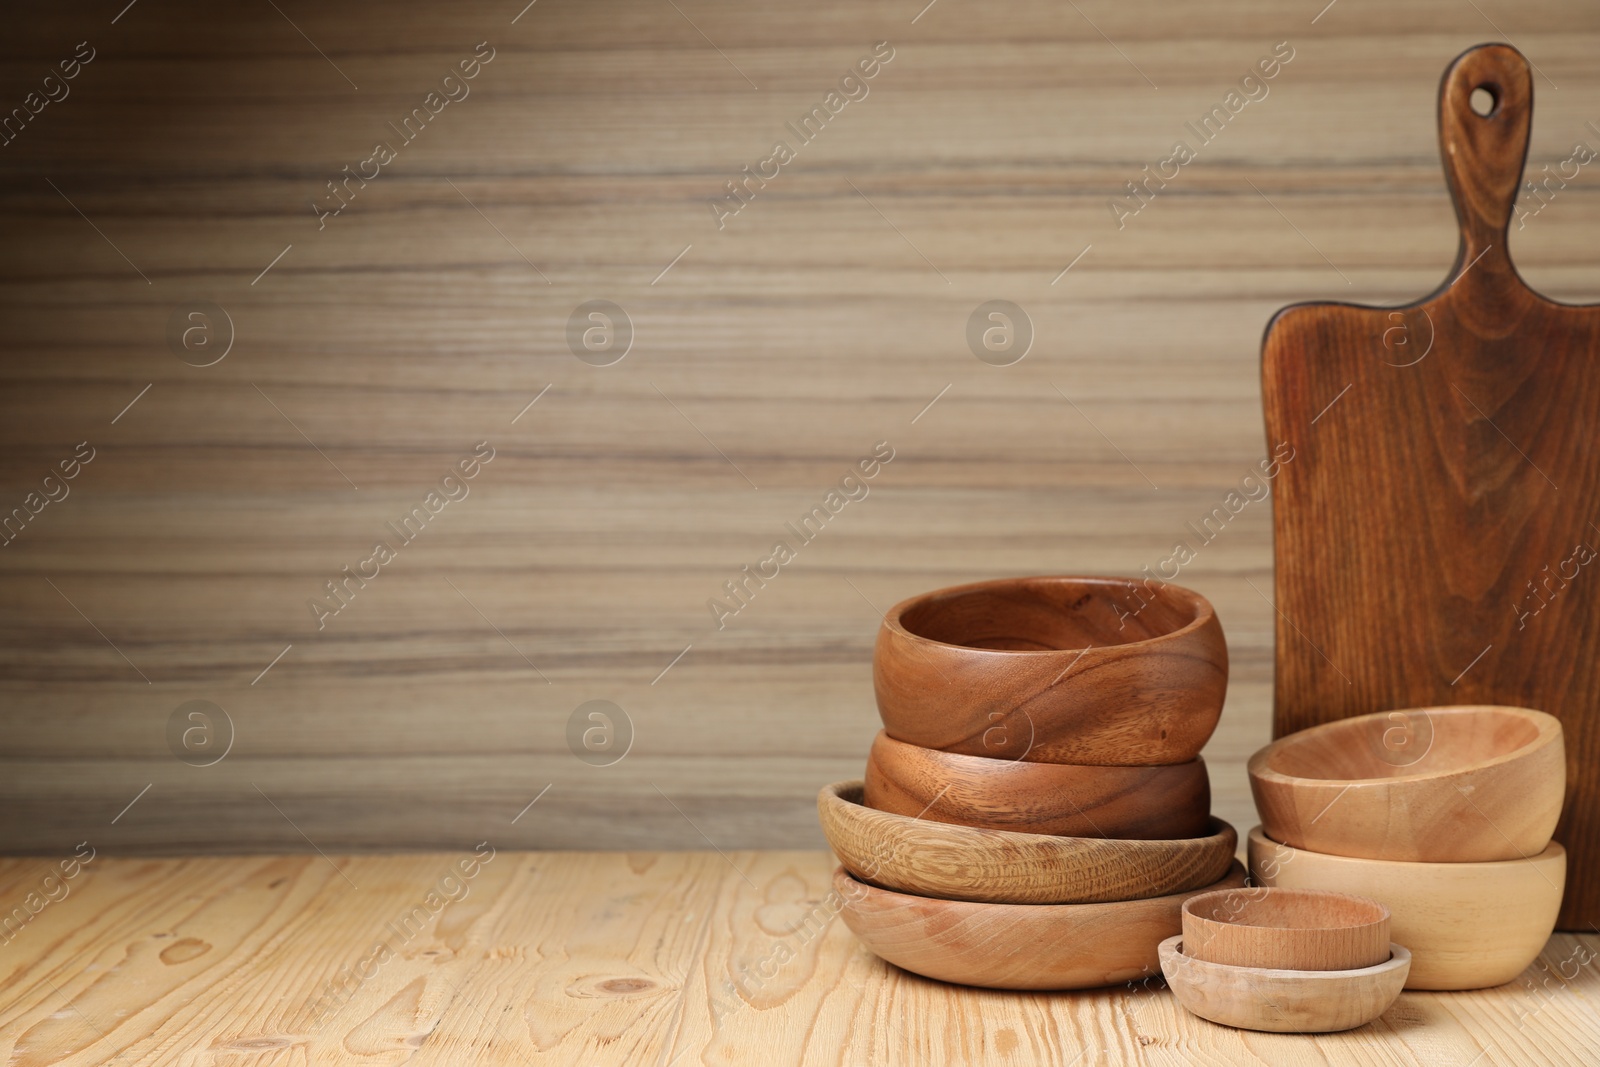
point(1146, 803)
point(1286, 929)
point(1440, 785)
point(1104, 671)
point(1014, 946)
point(1468, 925)
point(1003, 867)
point(1282, 1000)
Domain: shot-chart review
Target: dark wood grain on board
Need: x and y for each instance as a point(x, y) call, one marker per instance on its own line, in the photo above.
point(1436, 533)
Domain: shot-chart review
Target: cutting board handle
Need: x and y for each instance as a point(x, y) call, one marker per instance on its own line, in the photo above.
point(1483, 154)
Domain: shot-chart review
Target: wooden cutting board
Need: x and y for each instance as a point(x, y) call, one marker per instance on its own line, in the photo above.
point(1436, 530)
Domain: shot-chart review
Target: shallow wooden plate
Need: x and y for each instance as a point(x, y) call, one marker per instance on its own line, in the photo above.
point(1283, 1001)
point(1015, 946)
point(1003, 867)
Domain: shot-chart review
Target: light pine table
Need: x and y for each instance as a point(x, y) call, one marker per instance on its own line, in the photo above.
point(611, 958)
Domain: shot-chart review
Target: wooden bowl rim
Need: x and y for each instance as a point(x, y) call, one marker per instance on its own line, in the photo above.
point(848, 793)
point(1547, 725)
point(1552, 852)
point(940, 755)
point(1284, 893)
point(1203, 612)
point(1399, 956)
point(1058, 911)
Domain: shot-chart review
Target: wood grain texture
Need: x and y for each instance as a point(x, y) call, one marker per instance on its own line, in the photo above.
point(1016, 946)
point(1054, 669)
point(1432, 532)
point(795, 338)
point(1468, 925)
point(1286, 929)
point(1440, 785)
point(1147, 803)
point(621, 958)
point(1283, 1000)
point(951, 862)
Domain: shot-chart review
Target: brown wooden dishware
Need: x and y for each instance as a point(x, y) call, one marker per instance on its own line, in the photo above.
point(1441, 785)
point(1433, 526)
point(1000, 866)
point(1286, 929)
point(1282, 1000)
point(1468, 925)
point(1104, 671)
point(1148, 803)
point(1015, 946)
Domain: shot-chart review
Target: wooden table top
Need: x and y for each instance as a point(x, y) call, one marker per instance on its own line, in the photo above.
point(661, 958)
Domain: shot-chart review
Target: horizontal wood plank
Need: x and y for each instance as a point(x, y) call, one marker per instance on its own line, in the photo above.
point(827, 315)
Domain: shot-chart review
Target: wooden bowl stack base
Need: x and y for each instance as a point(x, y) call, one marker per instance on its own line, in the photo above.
point(1035, 811)
point(1279, 1000)
point(1468, 925)
point(948, 862)
point(1443, 814)
point(1015, 946)
point(1288, 960)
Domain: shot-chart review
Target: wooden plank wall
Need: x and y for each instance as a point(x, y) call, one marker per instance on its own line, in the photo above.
point(373, 349)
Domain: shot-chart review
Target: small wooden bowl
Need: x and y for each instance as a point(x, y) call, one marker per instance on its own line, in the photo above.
point(1014, 946)
point(1468, 925)
point(1103, 671)
point(1286, 929)
point(1283, 1001)
point(1440, 785)
point(1142, 803)
point(936, 859)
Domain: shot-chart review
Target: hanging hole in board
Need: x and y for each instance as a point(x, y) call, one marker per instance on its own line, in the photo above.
point(1484, 100)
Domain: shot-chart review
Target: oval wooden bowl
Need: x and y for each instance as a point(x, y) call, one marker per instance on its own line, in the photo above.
point(1104, 671)
point(1014, 946)
point(936, 859)
point(1439, 785)
point(1282, 1000)
point(1286, 929)
point(1144, 803)
point(1468, 925)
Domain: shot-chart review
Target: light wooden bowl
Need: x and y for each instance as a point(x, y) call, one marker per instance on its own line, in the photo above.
point(1468, 925)
point(1146, 803)
point(1440, 785)
point(1104, 671)
point(1014, 946)
point(936, 859)
point(1286, 929)
point(1283, 1001)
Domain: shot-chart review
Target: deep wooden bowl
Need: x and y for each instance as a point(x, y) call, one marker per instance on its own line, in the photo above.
point(1104, 671)
point(1014, 946)
point(1282, 1000)
point(1468, 925)
point(1286, 929)
point(1144, 803)
point(937, 859)
point(1439, 785)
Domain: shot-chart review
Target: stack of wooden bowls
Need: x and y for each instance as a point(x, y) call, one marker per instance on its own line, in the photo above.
point(1443, 814)
point(1285, 960)
point(1035, 811)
